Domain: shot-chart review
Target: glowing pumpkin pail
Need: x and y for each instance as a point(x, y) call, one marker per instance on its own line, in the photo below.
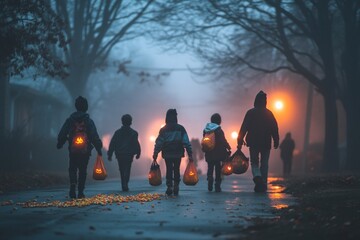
point(155, 174)
point(227, 168)
point(99, 171)
point(190, 177)
point(240, 162)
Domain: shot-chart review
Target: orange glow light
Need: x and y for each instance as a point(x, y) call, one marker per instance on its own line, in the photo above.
point(229, 167)
point(79, 140)
point(234, 135)
point(98, 170)
point(279, 105)
point(152, 138)
point(191, 173)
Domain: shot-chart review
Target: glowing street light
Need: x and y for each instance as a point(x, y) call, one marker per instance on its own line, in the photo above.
point(152, 138)
point(234, 135)
point(279, 105)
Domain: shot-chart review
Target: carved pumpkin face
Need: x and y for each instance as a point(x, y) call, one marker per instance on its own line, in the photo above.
point(98, 170)
point(191, 173)
point(206, 139)
point(229, 167)
point(79, 141)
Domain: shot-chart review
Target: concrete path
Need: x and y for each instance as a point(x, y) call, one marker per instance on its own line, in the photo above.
point(194, 214)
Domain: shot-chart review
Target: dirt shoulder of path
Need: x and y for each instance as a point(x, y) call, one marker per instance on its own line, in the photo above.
point(26, 180)
point(328, 207)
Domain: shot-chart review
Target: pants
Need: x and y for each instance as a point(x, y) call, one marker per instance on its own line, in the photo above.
point(260, 166)
point(210, 172)
point(287, 167)
point(78, 163)
point(125, 169)
point(172, 170)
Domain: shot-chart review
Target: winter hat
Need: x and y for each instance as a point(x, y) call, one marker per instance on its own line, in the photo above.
point(171, 116)
point(260, 100)
point(81, 104)
point(216, 118)
point(126, 120)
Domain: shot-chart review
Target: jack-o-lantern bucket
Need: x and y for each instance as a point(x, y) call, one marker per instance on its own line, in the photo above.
point(99, 171)
point(155, 174)
point(227, 168)
point(239, 162)
point(190, 177)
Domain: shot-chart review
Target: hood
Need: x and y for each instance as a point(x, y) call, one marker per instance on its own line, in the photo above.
point(211, 127)
point(171, 116)
point(77, 116)
point(260, 100)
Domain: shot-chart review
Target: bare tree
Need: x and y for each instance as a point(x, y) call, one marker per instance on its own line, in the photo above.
point(274, 35)
point(29, 30)
point(94, 28)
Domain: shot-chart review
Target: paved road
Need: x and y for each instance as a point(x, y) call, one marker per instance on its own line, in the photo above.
point(194, 214)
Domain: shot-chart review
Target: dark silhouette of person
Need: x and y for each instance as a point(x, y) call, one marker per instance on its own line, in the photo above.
point(260, 127)
point(79, 156)
point(196, 149)
point(287, 147)
point(125, 144)
point(218, 154)
point(171, 141)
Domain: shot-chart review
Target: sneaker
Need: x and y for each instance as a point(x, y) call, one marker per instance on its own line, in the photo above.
point(72, 193)
point(259, 184)
point(176, 190)
point(81, 195)
point(210, 186)
point(169, 191)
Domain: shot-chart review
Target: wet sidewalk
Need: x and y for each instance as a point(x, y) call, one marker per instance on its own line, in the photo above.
point(194, 214)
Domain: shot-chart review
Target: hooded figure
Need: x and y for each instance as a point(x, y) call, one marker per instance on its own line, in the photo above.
point(171, 141)
point(287, 147)
point(79, 121)
point(260, 127)
point(218, 154)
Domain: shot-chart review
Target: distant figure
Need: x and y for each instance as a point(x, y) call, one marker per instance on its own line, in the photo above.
point(171, 141)
point(80, 131)
point(196, 149)
point(219, 152)
point(259, 126)
point(287, 147)
point(125, 143)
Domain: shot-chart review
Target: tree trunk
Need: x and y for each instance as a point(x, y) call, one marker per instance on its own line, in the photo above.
point(307, 126)
point(331, 153)
point(4, 101)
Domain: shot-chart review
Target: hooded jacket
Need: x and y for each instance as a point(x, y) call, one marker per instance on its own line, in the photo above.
point(259, 125)
point(172, 138)
point(221, 148)
point(65, 133)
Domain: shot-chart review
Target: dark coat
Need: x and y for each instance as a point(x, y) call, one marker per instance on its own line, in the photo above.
point(125, 143)
point(221, 148)
point(287, 147)
point(259, 126)
point(65, 133)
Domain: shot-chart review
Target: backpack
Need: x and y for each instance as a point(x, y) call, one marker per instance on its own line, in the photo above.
point(208, 141)
point(79, 141)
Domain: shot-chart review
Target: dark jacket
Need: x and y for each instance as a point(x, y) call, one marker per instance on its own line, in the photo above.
point(221, 148)
point(171, 141)
point(65, 133)
point(287, 147)
point(124, 142)
point(259, 126)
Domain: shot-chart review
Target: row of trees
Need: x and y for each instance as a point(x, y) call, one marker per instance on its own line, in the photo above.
point(317, 39)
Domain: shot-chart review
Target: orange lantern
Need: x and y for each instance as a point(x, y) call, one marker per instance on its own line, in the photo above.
point(190, 175)
point(227, 168)
point(79, 141)
point(208, 142)
point(154, 175)
point(99, 171)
